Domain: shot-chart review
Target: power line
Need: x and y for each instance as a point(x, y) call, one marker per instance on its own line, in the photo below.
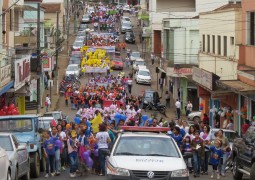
point(9, 7)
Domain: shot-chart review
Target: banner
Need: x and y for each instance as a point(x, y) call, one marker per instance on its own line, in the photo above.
point(109, 49)
point(22, 71)
point(95, 70)
point(108, 103)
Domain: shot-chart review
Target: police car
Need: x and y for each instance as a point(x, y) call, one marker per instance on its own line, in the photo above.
point(142, 153)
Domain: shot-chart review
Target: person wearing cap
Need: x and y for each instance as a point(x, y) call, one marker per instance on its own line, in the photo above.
point(72, 152)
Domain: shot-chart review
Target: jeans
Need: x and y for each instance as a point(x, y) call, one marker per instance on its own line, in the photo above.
point(57, 160)
point(178, 111)
point(63, 157)
point(102, 160)
point(50, 163)
point(47, 108)
point(204, 162)
point(223, 165)
point(73, 162)
point(197, 163)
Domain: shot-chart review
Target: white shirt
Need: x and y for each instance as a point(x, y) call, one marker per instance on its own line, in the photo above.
point(129, 81)
point(48, 100)
point(178, 104)
point(102, 139)
point(189, 106)
point(62, 135)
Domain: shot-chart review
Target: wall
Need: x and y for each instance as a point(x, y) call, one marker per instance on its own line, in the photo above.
point(176, 6)
point(225, 68)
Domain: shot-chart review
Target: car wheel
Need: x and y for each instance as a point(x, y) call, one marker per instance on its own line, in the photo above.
point(16, 174)
point(237, 175)
point(43, 164)
point(9, 175)
point(35, 165)
point(26, 176)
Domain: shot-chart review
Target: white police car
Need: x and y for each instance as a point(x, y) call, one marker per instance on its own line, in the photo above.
point(142, 153)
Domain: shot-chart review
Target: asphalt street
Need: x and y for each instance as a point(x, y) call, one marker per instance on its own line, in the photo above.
point(136, 90)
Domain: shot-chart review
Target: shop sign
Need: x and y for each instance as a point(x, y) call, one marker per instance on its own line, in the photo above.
point(5, 75)
point(46, 63)
point(203, 77)
point(22, 72)
point(180, 72)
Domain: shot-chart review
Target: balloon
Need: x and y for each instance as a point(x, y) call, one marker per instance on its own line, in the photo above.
point(150, 121)
point(144, 117)
point(5, 108)
point(96, 153)
point(53, 123)
point(89, 162)
point(123, 117)
point(58, 143)
point(68, 126)
point(77, 120)
point(9, 113)
point(85, 155)
point(11, 106)
point(89, 152)
point(117, 116)
point(14, 111)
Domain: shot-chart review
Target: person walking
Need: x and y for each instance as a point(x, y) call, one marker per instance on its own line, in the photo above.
point(152, 58)
point(129, 83)
point(189, 108)
point(103, 139)
point(167, 96)
point(47, 102)
point(178, 108)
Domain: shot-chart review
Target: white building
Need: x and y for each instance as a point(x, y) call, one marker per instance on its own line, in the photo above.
point(161, 9)
point(220, 34)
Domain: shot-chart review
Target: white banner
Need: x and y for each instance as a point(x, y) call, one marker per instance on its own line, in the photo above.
point(5, 75)
point(22, 72)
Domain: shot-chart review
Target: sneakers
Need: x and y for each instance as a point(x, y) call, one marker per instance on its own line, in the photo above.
point(223, 174)
point(218, 176)
point(72, 175)
point(46, 175)
point(212, 176)
point(57, 173)
point(52, 174)
point(63, 168)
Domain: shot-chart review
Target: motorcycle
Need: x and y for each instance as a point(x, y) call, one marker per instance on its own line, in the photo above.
point(155, 107)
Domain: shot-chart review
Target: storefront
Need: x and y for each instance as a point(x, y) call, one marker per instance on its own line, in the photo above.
point(6, 84)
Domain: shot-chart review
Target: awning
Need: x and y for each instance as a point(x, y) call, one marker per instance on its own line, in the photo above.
point(6, 87)
point(237, 86)
point(24, 8)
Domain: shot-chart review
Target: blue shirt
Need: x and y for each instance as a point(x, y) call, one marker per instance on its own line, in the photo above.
point(49, 146)
point(56, 137)
point(182, 132)
point(186, 147)
point(216, 155)
point(178, 139)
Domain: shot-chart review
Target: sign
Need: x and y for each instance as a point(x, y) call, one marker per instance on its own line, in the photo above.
point(181, 72)
point(5, 75)
point(90, 69)
point(46, 63)
point(22, 72)
point(109, 49)
point(203, 77)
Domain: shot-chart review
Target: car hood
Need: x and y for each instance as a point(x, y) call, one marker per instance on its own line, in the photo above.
point(10, 155)
point(153, 163)
point(195, 114)
point(118, 63)
point(133, 57)
point(126, 27)
point(143, 77)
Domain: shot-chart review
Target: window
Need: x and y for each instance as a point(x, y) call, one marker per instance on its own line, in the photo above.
point(213, 44)
point(11, 21)
point(225, 46)
point(4, 28)
point(203, 43)
point(208, 43)
point(232, 40)
point(251, 28)
point(219, 45)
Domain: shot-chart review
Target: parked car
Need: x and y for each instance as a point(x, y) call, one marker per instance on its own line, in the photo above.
point(143, 76)
point(81, 34)
point(85, 19)
point(126, 26)
point(126, 8)
point(77, 45)
point(150, 96)
point(45, 122)
point(25, 128)
point(195, 116)
point(73, 69)
point(243, 155)
point(55, 114)
point(5, 170)
point(83, 27)
point(129, 37)
point(117, 63)
point(124, 19)
point(135, 55)
point(76, 54)
point(138, 61)
point(17, 154)
point(75, 60)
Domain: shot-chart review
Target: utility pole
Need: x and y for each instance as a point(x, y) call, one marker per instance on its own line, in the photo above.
point(67, 33)
point(39, 63)
point(57, 47)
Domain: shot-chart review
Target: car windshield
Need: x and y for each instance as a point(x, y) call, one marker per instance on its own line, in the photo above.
point(127, 25)
point(16, 125)
point(44, 125)
point(73, 58)
point(5, 143)
point(135, 54)
point(72, 68)
point(139, 62)
point(85, 16)
point(144, 73)
point(129, 35)
point(78, 43)
point(146, 146)
point(56, 116)
point(117, 59)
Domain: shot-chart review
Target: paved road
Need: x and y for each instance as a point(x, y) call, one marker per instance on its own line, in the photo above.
point(137, 90)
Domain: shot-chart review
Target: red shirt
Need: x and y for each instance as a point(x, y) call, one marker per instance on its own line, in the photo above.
point(245, 127)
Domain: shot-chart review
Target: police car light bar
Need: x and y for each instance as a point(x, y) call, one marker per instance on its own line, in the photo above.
point(144, 129)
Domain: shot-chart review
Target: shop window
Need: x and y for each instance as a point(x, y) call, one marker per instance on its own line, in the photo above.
point(213, 44)
point(225, 46)
point(219, 45)
point(208, 43)
point(203, 43)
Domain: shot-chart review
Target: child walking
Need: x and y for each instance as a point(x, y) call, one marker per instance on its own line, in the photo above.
point(187, 151)
point(49, 152)
point(72, 153)
point(216, 155)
